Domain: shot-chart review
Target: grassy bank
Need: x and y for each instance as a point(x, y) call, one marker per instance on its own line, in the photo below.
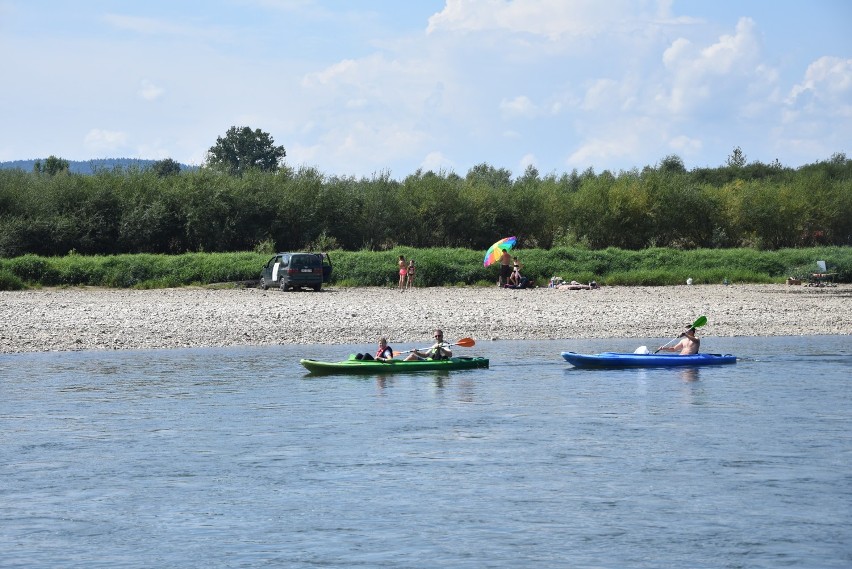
point(435, 267)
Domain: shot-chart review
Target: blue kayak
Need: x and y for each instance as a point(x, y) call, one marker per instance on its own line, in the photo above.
point(615, 359)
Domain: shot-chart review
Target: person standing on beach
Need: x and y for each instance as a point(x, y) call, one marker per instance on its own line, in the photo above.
point(505, 269)
point(403, 272)
point(411, 269)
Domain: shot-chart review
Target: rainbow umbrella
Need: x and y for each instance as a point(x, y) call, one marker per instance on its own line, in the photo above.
point(496, 251)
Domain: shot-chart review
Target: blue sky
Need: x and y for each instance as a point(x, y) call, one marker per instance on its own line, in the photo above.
point(360, 87)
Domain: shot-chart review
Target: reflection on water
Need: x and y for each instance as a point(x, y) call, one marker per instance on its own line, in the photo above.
point(689, 374)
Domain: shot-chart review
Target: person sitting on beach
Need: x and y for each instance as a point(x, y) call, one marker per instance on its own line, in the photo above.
point(439, 351)
point(384, 352)
point(515, 278)
point(688, 345)
point(574, 285)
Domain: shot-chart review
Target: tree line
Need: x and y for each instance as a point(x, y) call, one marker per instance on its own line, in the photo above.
point(162, 209)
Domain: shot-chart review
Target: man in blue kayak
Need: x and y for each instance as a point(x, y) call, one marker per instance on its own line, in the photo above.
point(439, 351)
point(688, 344)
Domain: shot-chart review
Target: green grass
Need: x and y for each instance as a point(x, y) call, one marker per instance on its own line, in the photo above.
point(435, 267)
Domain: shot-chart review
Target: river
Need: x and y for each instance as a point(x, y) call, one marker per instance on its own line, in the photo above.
point(236, 458)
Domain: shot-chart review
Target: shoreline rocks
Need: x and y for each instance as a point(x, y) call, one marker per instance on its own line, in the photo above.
point(74, 319)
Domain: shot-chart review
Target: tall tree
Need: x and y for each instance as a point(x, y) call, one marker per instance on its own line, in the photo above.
point(737, 159)
point(51, 166)
point(672, 164)
point(166, 167)
point(243, 149)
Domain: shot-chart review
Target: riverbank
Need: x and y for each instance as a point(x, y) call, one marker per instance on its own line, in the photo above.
point(71, 319)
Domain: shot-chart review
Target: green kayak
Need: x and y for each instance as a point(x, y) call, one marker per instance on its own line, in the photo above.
point(393, 366)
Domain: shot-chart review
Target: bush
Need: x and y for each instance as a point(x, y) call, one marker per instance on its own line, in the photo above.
point(439, 267)
point(30, 268)
point(10, 281)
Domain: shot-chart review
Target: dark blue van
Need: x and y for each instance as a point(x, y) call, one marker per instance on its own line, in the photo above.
point(296, 270)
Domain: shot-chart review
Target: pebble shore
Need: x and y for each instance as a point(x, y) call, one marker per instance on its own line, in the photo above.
point(72, 319)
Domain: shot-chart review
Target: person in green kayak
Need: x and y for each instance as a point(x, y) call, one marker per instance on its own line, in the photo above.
point(688, 344)
point(439, 351)
point(384, 352)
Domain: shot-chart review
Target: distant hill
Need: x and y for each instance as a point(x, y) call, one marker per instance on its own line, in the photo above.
point(89, 166)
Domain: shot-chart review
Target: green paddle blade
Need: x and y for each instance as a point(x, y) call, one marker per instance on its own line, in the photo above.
point(702, 320)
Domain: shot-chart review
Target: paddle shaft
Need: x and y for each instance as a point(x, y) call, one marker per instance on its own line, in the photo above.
point(666, 345)
point(699, 322)
point(464, 343)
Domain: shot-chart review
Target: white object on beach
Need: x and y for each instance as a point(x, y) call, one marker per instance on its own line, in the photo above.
point(689, 281)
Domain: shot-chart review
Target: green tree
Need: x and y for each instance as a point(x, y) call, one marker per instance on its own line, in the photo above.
point(737, 159)
point(167, 167)
point(243, 149)
point(672, 164)
point(51, 166)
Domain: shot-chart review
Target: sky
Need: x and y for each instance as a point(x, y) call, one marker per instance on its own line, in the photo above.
point(387, 87)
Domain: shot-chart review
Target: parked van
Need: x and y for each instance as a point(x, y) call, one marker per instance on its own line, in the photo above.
point(296, 270)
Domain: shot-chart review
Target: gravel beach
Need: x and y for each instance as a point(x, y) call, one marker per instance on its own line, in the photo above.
point(71, 319)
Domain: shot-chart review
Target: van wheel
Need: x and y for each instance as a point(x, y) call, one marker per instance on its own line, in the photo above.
point(317, 288)
point(263, 284)
point(284, 287)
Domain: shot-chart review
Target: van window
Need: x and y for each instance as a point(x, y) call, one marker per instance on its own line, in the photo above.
point(305, 261)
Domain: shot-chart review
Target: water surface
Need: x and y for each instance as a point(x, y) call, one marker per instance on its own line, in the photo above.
point(237, 458)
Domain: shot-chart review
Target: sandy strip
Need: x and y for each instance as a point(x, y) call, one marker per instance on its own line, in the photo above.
point(97, 319)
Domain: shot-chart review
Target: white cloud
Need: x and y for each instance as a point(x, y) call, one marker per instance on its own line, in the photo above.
point(155, 150)
point(609, 84)
point(149, 91)
point(159, 27)
point(528, 160)
point(685, 145)
point(602, 150)
point(355, 143)
point(827, 83)
point(436, 162)
point(621, 141)
point(519, 106)
point(99, 140)
point(697, 75)
point(341, 72)
point(731, 52)
point(679, 50)
point(552, 19)
point(355, 104)
point(603, 93)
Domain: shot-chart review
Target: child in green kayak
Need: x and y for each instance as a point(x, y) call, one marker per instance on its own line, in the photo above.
point(384, 352)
